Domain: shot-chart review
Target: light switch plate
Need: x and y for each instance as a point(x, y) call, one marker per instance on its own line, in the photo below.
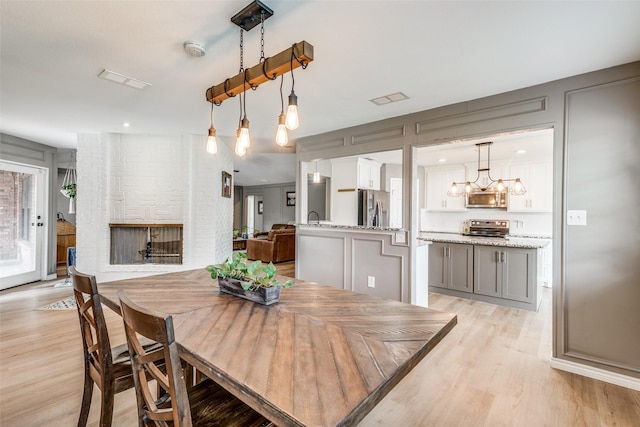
point(576, 217)
point(371, 281)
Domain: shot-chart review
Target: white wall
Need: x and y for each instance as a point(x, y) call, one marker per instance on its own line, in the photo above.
point(530, 224)
point(151, 179)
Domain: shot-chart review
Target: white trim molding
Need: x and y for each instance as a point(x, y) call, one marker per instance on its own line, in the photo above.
point(596, 373)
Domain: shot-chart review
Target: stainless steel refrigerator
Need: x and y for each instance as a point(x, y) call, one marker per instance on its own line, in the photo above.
point(373, 208)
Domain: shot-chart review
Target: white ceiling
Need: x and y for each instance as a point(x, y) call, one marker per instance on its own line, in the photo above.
point(437, 53)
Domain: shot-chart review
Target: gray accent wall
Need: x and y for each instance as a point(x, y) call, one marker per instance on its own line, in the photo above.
point(602, 268)
point(595, 119)
point(275, 209)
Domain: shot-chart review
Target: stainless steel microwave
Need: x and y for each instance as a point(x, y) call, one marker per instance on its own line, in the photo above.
point(487, 199)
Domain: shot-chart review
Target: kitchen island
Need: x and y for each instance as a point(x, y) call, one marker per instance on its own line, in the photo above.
point(505, 271)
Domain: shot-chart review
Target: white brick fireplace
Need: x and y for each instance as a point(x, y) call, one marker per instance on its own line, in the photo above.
point(143, 179)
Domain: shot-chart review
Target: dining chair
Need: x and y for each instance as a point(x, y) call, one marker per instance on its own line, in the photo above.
point(204, 404)
point(109, 368)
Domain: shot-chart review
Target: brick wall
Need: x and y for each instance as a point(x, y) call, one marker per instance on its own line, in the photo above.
point(10, 190)
point(151, 179)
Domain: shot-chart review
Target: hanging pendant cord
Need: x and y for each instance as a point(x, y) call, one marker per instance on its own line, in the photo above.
point(293, 54)
point(281, 98)
point(241, 71)
point(244, 91)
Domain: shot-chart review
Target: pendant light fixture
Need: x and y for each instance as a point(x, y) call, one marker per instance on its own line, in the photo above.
point(245, 139)
point(292, 121)
point(267, 69)
point(240, 149)
point(212, 144)
point(281, 134)
point(516, 189)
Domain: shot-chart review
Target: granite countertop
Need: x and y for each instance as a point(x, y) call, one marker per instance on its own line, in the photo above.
point(509, 241)
point(350, 227)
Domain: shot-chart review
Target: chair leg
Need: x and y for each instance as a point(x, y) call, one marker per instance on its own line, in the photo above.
point(87, 393)
point(106, 407)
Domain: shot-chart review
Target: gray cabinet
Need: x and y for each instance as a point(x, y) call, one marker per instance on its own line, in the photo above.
point(508, 273)
point(494, 274)
point(451, 266)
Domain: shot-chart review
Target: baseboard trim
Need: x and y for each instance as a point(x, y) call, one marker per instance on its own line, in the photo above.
point(596, 373)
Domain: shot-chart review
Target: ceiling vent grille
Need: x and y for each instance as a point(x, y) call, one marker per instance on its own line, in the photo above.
point(123, 80)
point(388, 99)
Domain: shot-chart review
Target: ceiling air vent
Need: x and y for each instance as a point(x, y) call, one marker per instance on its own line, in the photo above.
point(123, 80)
point(388, 99)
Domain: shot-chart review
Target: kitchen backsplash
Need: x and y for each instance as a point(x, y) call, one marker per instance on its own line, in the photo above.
point(530, 224)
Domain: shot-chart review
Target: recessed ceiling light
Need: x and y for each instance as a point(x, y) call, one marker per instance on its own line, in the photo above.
point(521, 151)
point(123, 80)
point(126, 124)
point(387, 99)
point(442, 160)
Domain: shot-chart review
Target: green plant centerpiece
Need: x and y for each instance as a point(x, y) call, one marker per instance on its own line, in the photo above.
point(254, 281)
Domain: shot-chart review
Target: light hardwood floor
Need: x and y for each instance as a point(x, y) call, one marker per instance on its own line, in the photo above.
point(491, 370)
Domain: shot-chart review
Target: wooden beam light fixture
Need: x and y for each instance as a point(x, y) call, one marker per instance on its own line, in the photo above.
point(269, 69)
point(298, 55)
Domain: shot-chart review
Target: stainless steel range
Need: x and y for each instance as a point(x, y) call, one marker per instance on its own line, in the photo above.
point(486, 228)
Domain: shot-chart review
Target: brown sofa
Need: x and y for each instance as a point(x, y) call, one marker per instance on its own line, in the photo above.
point(264, 234)
point(279, 246)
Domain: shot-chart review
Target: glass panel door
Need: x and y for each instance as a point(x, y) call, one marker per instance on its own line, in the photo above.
point(22, 227)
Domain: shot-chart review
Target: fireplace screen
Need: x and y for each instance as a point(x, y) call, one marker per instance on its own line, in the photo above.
point(146, 243)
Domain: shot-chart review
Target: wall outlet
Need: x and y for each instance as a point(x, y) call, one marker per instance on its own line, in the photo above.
point(400, 237)
point(575, 217)
point(371, 281)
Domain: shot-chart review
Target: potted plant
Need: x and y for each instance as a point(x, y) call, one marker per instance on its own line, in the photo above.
point(253, 281)
point(69, 191)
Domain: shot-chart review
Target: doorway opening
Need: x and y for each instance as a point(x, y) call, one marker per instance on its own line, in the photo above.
point(526, 154)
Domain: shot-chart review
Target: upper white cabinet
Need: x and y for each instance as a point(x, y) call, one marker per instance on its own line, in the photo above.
point(368, 174)
point(354, 172)
point(538, 180)
point(438, 183)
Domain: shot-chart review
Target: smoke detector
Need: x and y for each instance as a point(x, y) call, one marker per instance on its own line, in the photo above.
point(194, 48)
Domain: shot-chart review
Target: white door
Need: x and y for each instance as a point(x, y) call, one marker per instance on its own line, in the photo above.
point(250, 212)
point(22, 233)
point(395, 214)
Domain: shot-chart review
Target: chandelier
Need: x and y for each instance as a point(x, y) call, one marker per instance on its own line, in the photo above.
point(493, 184)
point(298, 55)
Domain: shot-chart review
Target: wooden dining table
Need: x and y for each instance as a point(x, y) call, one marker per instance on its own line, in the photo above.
point(322, 356)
